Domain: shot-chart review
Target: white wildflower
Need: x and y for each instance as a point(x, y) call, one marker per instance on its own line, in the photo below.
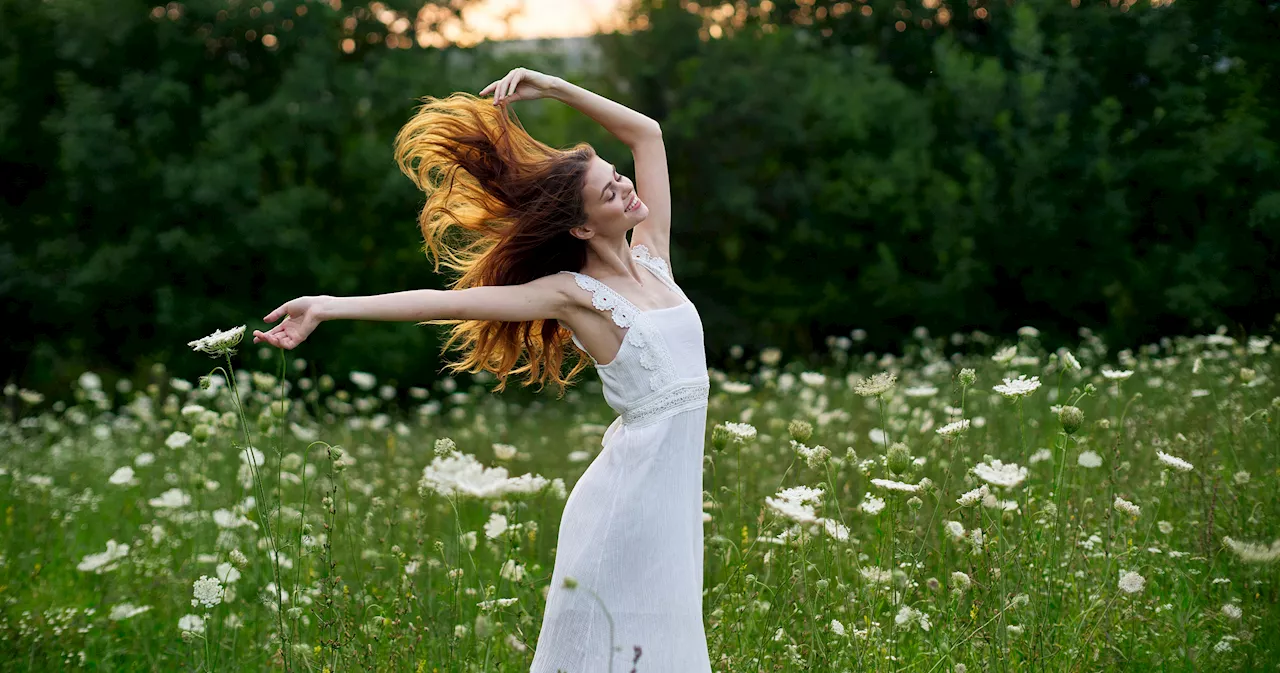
point(1174, 462)
point(459, 474)
point(1232, 611)
point(735, 387)
point(1005, 355)
point(741, 432)
point(973, 497)
point(177, 440)
point(504, 451)
point(1122, 505)
point(104, 561)
point(875, 575)
point(122, 611)
point(173, 498)
point(122, 477)
point(1131, 582)
point(871, 504)
point(1089, 459)
point(891, 485)
point(363, 380)
point(1250, 552)
point(877, 384)
point(814, 379)
point(512, 571)
point(1114, 375)
point(219, 342)
point(998, 473)
point(191, 624)
point(496, 526)
point(1020, 387)
point(207, 591)
point(954, 429)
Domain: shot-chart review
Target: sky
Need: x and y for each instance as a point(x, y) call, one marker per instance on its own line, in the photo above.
point(541, 18)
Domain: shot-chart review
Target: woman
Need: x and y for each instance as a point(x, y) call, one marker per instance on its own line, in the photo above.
point(538, 236)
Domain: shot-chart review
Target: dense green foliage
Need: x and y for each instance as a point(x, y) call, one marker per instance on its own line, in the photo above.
point(1047, 164)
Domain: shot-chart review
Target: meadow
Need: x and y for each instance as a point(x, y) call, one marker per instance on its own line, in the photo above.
point(973, 503)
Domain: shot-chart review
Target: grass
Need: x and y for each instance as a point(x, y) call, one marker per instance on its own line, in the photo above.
point(348, 564)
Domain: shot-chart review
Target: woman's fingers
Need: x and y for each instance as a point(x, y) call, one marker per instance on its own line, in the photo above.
point(515, 82)
point(485, 91)
point(271, 317)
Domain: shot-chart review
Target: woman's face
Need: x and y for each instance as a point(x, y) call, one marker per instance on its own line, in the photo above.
point(613, 207)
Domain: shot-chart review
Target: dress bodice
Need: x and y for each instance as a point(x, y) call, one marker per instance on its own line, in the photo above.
point(661, 366)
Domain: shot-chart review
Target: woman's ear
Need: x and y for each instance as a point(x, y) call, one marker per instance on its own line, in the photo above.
point(582, 232)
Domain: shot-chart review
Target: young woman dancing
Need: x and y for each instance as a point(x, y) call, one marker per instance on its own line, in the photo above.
point(538, 236)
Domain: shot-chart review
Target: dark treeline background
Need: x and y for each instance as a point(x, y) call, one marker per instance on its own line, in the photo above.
point(169, 170)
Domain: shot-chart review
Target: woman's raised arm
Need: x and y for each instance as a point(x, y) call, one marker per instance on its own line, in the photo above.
point(539, 299)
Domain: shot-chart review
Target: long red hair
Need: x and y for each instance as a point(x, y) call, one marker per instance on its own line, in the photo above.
point(499, 208)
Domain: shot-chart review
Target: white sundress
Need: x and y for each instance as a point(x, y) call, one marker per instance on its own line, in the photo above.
point(632, 525)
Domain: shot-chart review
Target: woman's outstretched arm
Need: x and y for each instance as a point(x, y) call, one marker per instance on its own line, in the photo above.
point(540, 299)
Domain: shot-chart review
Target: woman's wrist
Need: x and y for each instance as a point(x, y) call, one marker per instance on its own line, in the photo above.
point(325, 305)
point(559, 89)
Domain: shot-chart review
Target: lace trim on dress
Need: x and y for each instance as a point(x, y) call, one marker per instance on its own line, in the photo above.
point(668, 401)
point(641, 252)
point(604, 298)
point(654, 355)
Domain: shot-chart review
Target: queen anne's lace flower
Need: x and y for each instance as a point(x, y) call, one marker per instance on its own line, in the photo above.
point(496, 526)
point(1122, 505)
point(998, 473)
point(1131, 582)
point(1114, 375)
point(219, 342)
point(954, 429)
point(973, 497)
point(460, 474)
point(191, 624)
point(103, 561)
point(123, 611)
point(1020, 387)
point(878, 384)
point(741, 432)
point(891, 485)
point(207, 591)
point(875, 575)
point(122, 477)
point(1089, 459)
point(871, 504)
point(1250, 552)
point(1174, 462)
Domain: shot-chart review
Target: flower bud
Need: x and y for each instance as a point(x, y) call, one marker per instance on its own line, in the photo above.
point(800, 430)
point(201, 433)
point(719, 437)
point(1071, 418)
point(570, 583)
point(1247, 374)
point(898, 458)
point(968, 377)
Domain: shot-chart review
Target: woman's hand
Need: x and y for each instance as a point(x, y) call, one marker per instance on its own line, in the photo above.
point(301, 316)
point(520, 84)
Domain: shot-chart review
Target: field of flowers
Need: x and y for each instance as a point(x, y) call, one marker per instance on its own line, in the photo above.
point(1004, 508)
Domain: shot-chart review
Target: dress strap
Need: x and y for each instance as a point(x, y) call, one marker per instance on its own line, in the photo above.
point(604, 298)
point(656, 264)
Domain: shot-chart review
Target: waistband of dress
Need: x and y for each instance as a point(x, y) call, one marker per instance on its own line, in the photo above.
point(669, 400)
